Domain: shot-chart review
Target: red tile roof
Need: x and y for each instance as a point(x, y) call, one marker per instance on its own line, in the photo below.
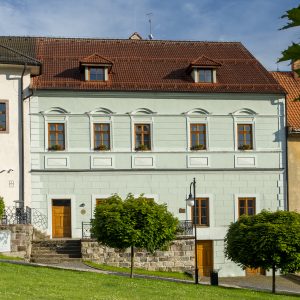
point(95, 59)
point(144, 65)
point(292, 86)
point(205, 61)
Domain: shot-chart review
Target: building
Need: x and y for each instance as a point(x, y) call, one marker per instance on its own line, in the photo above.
point(139, 116)
point(291, 83)
point(16, 69)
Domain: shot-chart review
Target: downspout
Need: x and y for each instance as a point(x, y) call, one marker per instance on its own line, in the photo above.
point(22, 138)
point(286, 157)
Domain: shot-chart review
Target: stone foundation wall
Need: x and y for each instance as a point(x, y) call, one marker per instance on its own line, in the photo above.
point(20, 239)
point(179, 257)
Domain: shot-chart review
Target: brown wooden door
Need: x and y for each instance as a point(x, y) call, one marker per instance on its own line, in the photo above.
point(205, 257)
point(61, 218)
point(255, 272)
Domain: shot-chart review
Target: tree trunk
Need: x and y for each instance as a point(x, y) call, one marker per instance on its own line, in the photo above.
point(273, 279)
point(132, 261)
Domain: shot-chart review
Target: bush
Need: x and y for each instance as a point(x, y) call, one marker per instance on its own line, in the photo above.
point(2, 207)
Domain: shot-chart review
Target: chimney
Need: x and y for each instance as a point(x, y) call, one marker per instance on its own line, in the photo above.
point(296, 66)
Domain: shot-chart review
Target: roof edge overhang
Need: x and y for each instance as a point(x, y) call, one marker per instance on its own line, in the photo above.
point(34, 69)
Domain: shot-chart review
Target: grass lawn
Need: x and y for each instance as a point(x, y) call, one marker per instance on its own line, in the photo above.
point(177, 275)
point(26, 282)
point(3, 256)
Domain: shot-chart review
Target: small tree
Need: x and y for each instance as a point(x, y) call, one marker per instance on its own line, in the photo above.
point(293, 51)
point(2, 207)
point(267, 240)
point(140, 223)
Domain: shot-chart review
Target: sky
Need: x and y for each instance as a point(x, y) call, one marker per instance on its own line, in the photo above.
point(255, 23)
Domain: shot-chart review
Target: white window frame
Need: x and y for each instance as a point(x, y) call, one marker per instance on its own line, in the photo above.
point(92, 122)
point(141, 120)
point(197, 119)
point(87, 77)
point(240, 121)
point(56, 120)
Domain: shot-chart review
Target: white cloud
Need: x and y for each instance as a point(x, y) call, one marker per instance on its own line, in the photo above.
point(255, 23)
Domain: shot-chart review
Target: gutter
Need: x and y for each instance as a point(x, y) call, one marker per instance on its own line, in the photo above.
point(22, 138)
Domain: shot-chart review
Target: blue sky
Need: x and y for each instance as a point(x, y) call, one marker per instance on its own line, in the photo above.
point(255, 23)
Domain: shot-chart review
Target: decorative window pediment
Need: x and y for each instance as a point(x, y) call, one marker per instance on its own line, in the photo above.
point(197, 111)
point(244, 112)
point(142, 111)
point(55, 111)
point(101, 111)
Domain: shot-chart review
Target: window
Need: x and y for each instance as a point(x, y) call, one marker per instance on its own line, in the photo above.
point(246, 206)
point(56, 136)
point(245, 136)
point(96, 74)
point(102, 136)
point(202, 212)
point(142, 134)
point(3, 117)
point(198, 136)
point(205, 75)
point(100, 201)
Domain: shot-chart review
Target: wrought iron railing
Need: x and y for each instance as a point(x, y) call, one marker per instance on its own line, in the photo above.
point(16, 215)
point(185, 228)
point(38, 219)
point(24, 215)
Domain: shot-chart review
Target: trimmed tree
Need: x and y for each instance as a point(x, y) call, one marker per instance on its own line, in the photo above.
point(293, 51)
point(134, 222)
point(266, 240)
point(2, 207)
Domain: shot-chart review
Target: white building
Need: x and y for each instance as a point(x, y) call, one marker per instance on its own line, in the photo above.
point(16, 70)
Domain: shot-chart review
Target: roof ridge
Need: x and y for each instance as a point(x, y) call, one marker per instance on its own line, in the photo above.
point(121, 39)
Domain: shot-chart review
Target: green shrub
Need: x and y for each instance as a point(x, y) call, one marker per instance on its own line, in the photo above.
point(2, 206)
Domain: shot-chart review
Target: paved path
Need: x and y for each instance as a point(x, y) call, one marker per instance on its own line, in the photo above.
point(284, 284)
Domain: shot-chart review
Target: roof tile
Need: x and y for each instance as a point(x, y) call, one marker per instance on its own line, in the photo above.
point(292, 86)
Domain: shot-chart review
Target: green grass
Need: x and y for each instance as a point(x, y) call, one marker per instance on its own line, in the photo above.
point(3, 256)
point(176, 275)
point(26, 282)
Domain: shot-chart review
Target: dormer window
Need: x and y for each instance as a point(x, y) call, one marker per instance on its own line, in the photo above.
point(205, 75)
point(96, 74)
point(204, 70)
point(96, 68)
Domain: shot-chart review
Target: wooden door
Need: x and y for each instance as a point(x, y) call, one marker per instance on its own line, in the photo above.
point(61, 218)
point(205, 257)
point(255, 272)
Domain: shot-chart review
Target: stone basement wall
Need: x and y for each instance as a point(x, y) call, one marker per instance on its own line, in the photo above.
point(179, 257)
point(20, 239)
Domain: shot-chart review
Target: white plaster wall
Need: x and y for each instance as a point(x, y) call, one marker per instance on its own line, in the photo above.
point(10, 142)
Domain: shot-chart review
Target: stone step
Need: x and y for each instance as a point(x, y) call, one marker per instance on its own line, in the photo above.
point(55, 255)
point(55, 248)
point(56, 242)
point(54, 260)
point(55, 251)
point(59, 251)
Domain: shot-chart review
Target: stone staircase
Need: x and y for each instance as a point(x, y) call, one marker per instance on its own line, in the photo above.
point(55, 251)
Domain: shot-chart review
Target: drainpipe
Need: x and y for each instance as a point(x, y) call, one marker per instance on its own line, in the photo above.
point(22, 138)
point(286, 156)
